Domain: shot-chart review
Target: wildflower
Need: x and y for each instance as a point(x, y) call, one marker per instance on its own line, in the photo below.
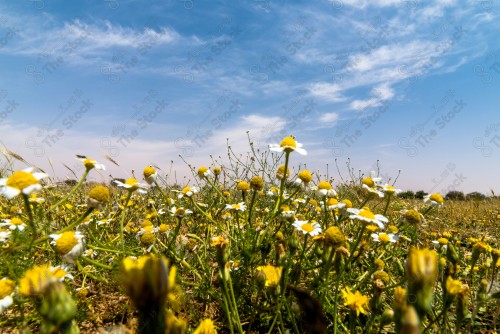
point(384, 238)
point(373, 190)
point(334, 236)
point(348, 203)
point(150, 174)
point(453, 286)
point(366, 215)
point(69, 244)
point(5, 236)
point(227, 216)
point(217, 170)
point(355, 301)
point(205, 327)
point(257, 183)
point(89, 164)
point(131, 185)
point(305, 227)
point(188, 192)
point(7, 287)
point(280, 173)
point(324, 188)
point(434, 199)
point(371, 181)
point(440, 241)
point(422, 272)
point(98, 197)
point(203, 172)
point(180, 212)
point(146, 282)
point(21, 181)
point(219, 241)
point(286, 212)
point(14, 224)
point(273, 191)
point(412, 217)
point(36, 280)
point(333, 203)
point(288, 144)
point(237, 207)
point(271, 274)
point(388, 189)
point(381, 275)
point(400, 295)
point(304, 178)
point(61, 272)
point(243, 186)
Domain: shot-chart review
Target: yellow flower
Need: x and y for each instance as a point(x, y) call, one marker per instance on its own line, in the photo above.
point(98, 197)
point(280, 173)
point(205, 327)
point(355, 301)
point(21, 181)
point(150, 174)
point(453, 286)
point(203, 172)
point(36, 280)
point(334, 236)
point(422, 267)
point(7, 287)
point(288, 144)
point(69, 244)
point(89, 164)
point(434, 199)
point(271, 273)
point(219, 241)
point(324, 188)
point(217, 170)
point(257, 183)
point(243, 186)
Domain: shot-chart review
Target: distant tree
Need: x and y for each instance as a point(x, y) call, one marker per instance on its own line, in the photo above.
point(420, 194)
point(455, 195)
point(407, 194)
point(70, 182)
point(475, 195)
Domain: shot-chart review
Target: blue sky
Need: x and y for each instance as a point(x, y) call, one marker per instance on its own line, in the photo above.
point(412, 84)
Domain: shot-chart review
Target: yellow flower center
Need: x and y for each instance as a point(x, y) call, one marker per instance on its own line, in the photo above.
point(332, 201)
point(35, 280)
point(383, 237)
point(453, 286)
point(217, 170)
point(88, 163)
point(368, 181)
point(59, 272)
point(437, 198)
point(305, 176)
point(148, 171)
point(366, 213)
point(202, 170)
point(16, 221)
point(390, 189)
point(412, 216)
point(324, 185)
point(66, 242)
point(180, 212)
point(347, 203)
point(443, 241)
point(6, 288)
point(243, 186)
point(21, 180)
point(288, 142)
point(307, 227)
point(100, 194)
point(163, 228)
point(148, 238)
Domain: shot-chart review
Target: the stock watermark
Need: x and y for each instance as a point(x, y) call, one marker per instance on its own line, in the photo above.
point(144, 113)
point(489, 141)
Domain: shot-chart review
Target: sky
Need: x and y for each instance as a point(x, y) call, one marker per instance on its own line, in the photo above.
point(411, 84)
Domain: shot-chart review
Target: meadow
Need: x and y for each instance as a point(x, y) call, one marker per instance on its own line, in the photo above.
point(257, 244)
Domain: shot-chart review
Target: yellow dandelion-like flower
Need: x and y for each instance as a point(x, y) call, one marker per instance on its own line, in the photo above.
point(206, 327)
point(150, 174)
point(355, 301)
point(271, 273)
point(243, 186)
point(36, 280)
point(98, 197)
point(257, 183)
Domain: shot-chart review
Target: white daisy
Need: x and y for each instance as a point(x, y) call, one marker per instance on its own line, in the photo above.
point(7, 288)
point(21, 181)
point(307, 228)
point(288, 144)
point(14, 224)
point(434, 199)
point(89, 163)
point(366, 215)
point(132, 185)
point(188, 192)
point(180, 212)
point(236, 207)
point(69, 244)
point(384, 237)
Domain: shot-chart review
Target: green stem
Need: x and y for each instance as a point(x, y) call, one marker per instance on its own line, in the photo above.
point(252, 201)
point(282, 185)
point(30, 215)
point(77, 222)
point(122, 220)
point(65, 198)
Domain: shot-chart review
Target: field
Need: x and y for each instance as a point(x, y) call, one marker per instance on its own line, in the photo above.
point(254, 245)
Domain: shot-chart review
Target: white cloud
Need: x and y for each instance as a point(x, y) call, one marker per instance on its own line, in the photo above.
point(379, 93)
point(329, 117)
point(328, 91)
